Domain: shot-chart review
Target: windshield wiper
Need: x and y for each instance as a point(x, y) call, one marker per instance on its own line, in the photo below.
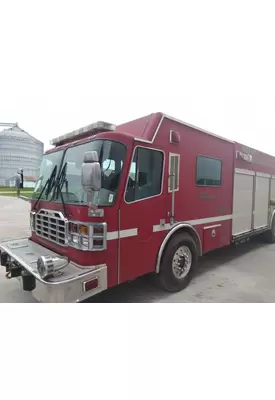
point(58, 187)
point(48, 185)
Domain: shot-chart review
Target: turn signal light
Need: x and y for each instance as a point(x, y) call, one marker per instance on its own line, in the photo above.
point(83, 230)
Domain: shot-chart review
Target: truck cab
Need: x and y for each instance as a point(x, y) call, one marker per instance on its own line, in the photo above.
point(84, 241)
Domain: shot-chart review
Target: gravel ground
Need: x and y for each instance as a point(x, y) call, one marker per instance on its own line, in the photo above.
point(245, 273)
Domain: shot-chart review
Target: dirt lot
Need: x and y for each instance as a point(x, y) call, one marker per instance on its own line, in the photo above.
point(237, 274)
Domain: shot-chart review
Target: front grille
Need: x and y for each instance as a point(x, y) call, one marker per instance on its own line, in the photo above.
point(51, 225)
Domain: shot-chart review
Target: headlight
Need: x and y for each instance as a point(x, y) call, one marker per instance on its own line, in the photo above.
point(92, 237)
point(85, 242)
point(47, 266)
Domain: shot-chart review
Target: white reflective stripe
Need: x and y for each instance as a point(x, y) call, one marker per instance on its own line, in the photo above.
point(157, 228)
point(128, 232)
point(166, 227)
point(123, 234)
point(212, 226)
point(112, 235)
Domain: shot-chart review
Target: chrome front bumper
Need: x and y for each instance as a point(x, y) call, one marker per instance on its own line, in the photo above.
point(68, 287)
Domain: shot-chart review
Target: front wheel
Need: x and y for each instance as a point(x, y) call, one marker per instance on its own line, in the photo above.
point(178, 263)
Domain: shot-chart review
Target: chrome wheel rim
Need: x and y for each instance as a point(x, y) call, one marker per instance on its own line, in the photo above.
point(182, 262)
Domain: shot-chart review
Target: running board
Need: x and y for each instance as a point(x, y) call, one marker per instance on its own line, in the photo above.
point(245, 237)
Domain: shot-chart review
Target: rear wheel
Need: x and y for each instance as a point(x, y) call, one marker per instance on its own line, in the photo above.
point(269, 236)
point(178, 263)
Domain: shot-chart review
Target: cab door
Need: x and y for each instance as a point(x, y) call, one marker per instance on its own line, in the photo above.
point(143, 206)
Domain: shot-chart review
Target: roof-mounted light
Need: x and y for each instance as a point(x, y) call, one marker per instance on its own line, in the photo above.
point(243, 156)
point(91, 129)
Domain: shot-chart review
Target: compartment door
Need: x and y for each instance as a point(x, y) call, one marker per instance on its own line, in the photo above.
point(262, 193)
point(243, 202)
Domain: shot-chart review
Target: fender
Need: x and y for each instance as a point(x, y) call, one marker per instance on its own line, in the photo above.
point(175, 228)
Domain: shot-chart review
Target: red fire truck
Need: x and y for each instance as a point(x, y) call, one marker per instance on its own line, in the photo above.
point(113, 203)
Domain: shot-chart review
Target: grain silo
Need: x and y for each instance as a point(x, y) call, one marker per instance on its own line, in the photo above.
point(18, 149)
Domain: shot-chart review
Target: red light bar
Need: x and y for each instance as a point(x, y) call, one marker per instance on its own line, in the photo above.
point(91, 129)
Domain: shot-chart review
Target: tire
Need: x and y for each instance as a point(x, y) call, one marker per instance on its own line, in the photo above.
point(269, 236)
point(181, 250)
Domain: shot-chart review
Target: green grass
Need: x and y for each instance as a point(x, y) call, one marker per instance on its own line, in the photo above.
point(12, 189)
point(26, 194)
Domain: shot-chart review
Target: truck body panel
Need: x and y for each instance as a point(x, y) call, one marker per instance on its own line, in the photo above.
point(253, 185)
point(175, 178)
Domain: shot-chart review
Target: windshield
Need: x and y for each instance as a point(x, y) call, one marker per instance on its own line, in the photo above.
point(49, 161)
point(111, 157)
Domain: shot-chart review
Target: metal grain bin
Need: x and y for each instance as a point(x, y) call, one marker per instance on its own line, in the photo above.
point(18, 149)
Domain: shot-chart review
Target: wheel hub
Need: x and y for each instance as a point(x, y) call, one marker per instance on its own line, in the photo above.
point(182, 262)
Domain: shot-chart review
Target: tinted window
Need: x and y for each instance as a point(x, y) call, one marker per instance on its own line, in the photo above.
point(209, 171)
point(145, 176)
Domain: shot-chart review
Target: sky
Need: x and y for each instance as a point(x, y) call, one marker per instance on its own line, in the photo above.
point(67, 64)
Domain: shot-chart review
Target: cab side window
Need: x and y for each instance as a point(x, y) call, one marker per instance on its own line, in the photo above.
point(145, 178)
point(209, 171)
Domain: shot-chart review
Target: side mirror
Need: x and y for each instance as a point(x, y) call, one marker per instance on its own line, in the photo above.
point(91, 172)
